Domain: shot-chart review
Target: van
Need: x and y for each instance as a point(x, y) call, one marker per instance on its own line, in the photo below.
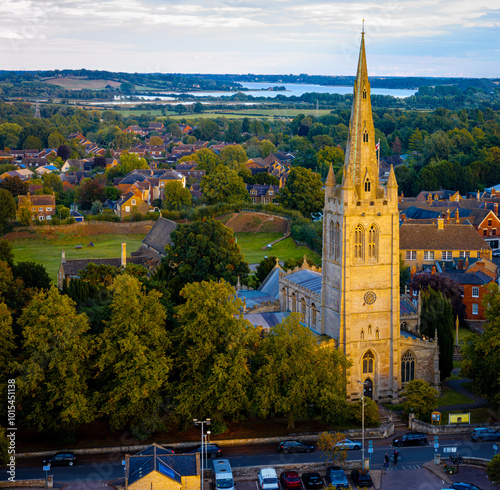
point(223, 474)
point(268, 479)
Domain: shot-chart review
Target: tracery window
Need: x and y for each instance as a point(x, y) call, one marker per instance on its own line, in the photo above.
point(367, 185)
point(372, 242)
point(368, 362)
point(407, 367)
point(358, 242)
point(365, 137)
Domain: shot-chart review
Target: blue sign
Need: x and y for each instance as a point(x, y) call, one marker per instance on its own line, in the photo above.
point(370, 450)
point(46, 468)
point(436, 445)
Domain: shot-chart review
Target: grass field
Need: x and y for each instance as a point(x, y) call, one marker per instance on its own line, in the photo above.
point(451, 397)
point(48, 252)
point(251, 245)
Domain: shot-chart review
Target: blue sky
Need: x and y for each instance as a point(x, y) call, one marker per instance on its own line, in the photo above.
point(403, 37)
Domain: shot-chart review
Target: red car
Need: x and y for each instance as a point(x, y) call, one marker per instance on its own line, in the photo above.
point(290, 479)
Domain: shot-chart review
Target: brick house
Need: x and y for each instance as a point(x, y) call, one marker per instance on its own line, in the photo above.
point(129, 202)
point(41, 207)
point(262, 194)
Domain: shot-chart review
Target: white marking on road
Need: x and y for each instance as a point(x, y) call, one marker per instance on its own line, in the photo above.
point(257, 485)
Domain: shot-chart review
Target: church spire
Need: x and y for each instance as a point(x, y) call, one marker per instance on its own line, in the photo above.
point(361, 156)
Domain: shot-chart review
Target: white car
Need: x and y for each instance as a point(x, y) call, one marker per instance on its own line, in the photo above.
point(348, 444)
point(268, 479)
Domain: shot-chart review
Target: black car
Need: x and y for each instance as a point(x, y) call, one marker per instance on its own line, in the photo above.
point(410, 439)
point(212, 450)
point(286, 447)
point(361, 478)
point(312, 481)
point(61, 458)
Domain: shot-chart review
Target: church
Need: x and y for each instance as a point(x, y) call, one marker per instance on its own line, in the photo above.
point(355, 297)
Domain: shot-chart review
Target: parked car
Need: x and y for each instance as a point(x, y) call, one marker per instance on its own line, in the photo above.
point(348, 444)
point(212, 450)
point(290, 479)
point(464, 486)
point(484, 434)
point(312, 481)
point(268, 479)
point(410, 439)
point(335, 477)
point(361, 478)
point(61, 458)
point(292, 446)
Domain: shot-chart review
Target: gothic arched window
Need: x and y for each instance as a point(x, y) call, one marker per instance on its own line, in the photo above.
point(314, 315)
point(407, 367)
point(358, 242)
point(333, 242)
point(368, 362)
point(372, 242)
point(362, 335)
point(294, 302)
point(364, 93)
point(369, 329)
point(377, 334)
point(303, 307)
point(365, 137)
point(367, 185)
point(337, 241)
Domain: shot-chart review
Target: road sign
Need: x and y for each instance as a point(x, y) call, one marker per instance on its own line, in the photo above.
point(370, 450)
point(436, 445)
point(495, 447)
point(435, 438)
point(370, 442)
point(46, 468)
point(452, 449)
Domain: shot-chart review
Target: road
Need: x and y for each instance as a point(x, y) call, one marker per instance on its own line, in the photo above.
point(96, 468)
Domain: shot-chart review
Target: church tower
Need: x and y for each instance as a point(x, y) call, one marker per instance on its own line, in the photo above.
point(360, 288)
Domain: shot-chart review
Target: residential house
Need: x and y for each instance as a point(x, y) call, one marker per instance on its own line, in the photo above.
point(136, 130)
point(257, 165)
point(34, 162)
point(441, 195)
point(129, 202)
point(5, 157)
point(20, 154)
point(76, 215)
point(156, 126)
point(41, 207)
point(262, 194)
point(155, 467)
point(190, 170)
point(185, 128)
point(422, 245)
point(23, 174)
point(196, 192)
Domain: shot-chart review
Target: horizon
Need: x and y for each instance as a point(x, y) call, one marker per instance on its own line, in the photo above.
point(444, 39)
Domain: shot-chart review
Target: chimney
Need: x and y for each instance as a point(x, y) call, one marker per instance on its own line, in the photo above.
point(457, 216)
point(443, 267)
point(124, 255)
point(433, 270)
point(413, 271)
point(495, 208)
point(440, 223)
point(466, 263)
point(477, 195)
point(447, 216)
point(63, 257)
point(403, 217)
point(460, 264)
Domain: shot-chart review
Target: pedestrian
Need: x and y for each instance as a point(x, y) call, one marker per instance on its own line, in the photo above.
point(386, 461)
point(396, 454)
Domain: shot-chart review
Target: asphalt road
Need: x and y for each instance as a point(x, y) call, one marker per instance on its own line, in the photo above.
point(95, 468)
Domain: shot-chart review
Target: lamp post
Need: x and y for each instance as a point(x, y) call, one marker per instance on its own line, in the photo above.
point(362, 425)
point(202, 423)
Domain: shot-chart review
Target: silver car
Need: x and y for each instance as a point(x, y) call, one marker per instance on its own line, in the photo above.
point(348, 444)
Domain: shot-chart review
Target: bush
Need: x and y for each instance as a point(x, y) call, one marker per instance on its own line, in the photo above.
point(493, 469)
point(371, 412)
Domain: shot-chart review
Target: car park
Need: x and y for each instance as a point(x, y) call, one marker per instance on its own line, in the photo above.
point(293, 446)
point(212, 450)
point(336, 477)
point(312, 481)
point(410, 439)
point(348, 444)
point(62, 458)
point(290, 479)
point(361, 478)
point(484, 434)
point(268, 479)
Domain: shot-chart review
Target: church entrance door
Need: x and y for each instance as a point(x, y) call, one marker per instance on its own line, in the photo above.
point(368, 388)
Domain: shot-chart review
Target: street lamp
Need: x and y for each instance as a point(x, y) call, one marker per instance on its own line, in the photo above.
point(362, 426)
point(202, 423)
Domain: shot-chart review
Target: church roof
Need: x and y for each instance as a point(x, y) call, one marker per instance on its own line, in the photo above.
point(254, 297)
point(159, 235)
point(271, 285)
point(308, 279)
point(266, 320)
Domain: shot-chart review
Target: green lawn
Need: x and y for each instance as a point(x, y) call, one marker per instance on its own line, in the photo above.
point(251, 245)
point(477, 415)
point(48, 252)
point(451, 397)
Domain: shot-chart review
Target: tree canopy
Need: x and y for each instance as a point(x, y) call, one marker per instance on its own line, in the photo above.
point(224, 185)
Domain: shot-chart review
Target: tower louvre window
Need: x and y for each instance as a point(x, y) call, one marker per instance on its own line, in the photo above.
point(365, 137)
point(373, 242)
point(364, 93)
point(358, 242)
point(367, 185)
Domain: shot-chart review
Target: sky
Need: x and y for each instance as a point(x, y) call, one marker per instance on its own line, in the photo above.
point(451, 38)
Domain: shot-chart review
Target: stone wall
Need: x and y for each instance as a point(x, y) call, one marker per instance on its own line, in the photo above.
point(28, 483)
point(419, 426)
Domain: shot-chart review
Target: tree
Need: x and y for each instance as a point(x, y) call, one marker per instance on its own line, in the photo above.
point(437, 314)
point(176, 196)
point(89, 191)
point(420, 398)
point(112, 193)
point(53, 385)
point(371, 412)
point(52, 182)
point(15, 186)
point(206, 130)
point(33, 275)
point(224, 185)
point(213, 348)
point(206, 159)
point(331, 444)
point(198, 108)
point(7, 346)
point(290, 374)
point(174, 130)
point(203, 250)
point(493, 469)
point(7, 208)
point(133, 364)
point(156, 141)
point(303, 191)
point(101, 275)
point(234, 157)
point(6, 252)
point(264, 268)
point(96, 207)
point(9, 135)
point(481, 357)
point(329, 156)
point(99, 162)
point(64, 152)
point(56, 139)
point(25, 217)
point(127, 88)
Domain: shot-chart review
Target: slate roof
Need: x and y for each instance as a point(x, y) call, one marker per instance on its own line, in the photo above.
point(406, 307)
point(155, 458)
point(270, 285)
point(475, 278)
point(159, 235)
point(266, 320)
point(74, 266)
point(429, 237)
point(255, 297)
point(308, 279)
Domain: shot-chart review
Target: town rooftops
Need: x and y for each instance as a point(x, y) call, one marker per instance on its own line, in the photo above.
point(159, 235)
point(306, 278)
